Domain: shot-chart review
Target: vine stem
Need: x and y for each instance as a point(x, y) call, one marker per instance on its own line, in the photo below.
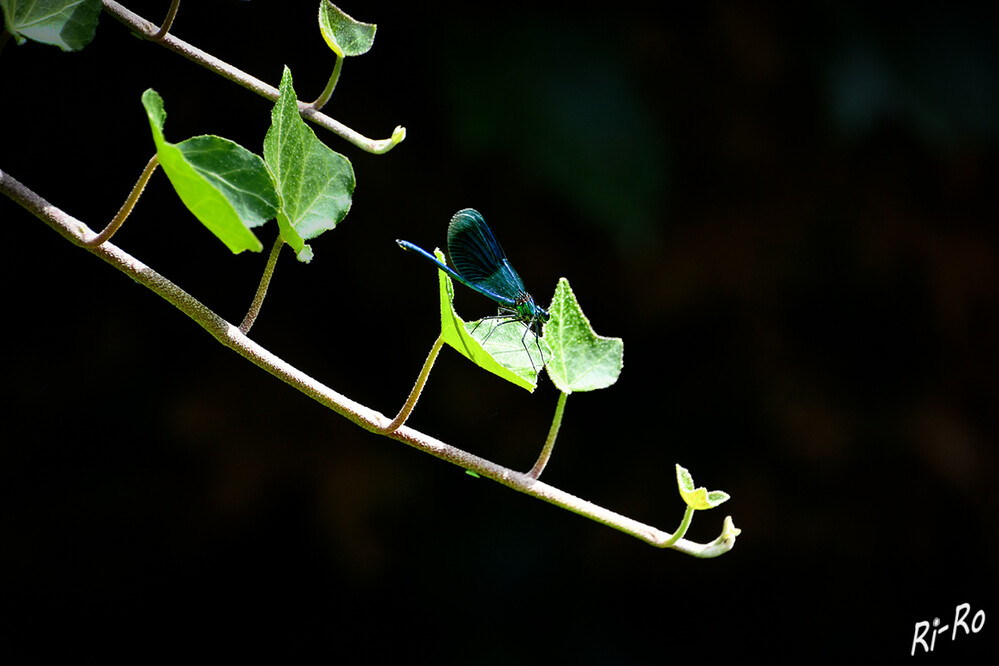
point(126, 208)
point(149, 30)
point(414, 395)
point(546, 452)
point(265, 281)
point(79, 233)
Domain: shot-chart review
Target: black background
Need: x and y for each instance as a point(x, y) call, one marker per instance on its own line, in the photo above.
point(789, 216)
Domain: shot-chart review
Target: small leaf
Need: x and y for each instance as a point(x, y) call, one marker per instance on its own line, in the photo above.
point(455, 333)
point(224, 185)
point(344, 35)
point(697, 498)
point(582, 360)
point(315, 183)
point(68, 24)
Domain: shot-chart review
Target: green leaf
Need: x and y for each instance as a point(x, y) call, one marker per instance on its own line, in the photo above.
point(456, 333)
point(68, 24)
point(513, 345)
point(315, 183)
point(344, 35)
point(236, 172)
point(697, 498)
point(225, 186)
point(582, 360)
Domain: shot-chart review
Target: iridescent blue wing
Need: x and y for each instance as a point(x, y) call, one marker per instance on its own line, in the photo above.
point(480, 260)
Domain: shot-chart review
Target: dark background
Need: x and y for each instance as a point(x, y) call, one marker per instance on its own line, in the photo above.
point(789, 215)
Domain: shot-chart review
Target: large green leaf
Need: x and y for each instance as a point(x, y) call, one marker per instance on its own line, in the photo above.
point(582, 360)
point(225, 186)
point(501, 356)
point(236, 173)
point(315, 183)
point(68, 24)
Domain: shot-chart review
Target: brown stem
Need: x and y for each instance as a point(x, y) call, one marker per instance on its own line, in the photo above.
point(414, 395)
point(168, 21)
point(265, 281)
point(126, 208)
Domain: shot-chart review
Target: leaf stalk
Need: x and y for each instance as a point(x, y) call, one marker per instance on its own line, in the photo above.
point(265, 281)
point(546, 451)
point(414, 395)
point(126, 208)
point(168, 21)
point(688, 515)
point(330, 86)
